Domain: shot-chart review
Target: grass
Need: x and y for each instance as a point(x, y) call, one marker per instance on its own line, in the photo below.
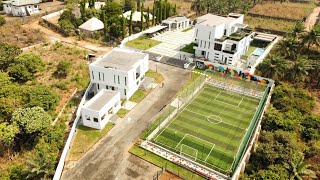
point(271, 24)
point(256, 44)
point(194, 76)
point(142, 43)
point(288, 10)
point(139, 95)
point(161, 162)
point(85, 138)
point(158, 78)
point(186, 30)
point(122, 112)
point(212, 126)
point(188, 48)
point(250, 50)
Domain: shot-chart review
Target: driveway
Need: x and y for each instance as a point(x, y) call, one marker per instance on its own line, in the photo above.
point(172, 42)
point(110, 158)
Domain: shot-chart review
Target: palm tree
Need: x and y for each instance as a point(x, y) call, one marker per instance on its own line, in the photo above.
point(289, 48)
point(298, 169)
point(312, 37)
point(273, 67)
point(299, 69)
point(198, 6)
point(297, 29)
point(315, 73)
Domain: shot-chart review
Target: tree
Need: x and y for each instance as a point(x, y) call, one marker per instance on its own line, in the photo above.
point(7, 54)
point(299, 70)
point(142, 19)
point(168, 10)
point(312, 37)
point(289, 48)
point(165, 4)
point(25, 66)
point(160, 11)
point(31, 120)
point(105, 24)
point(63, 68)
point(124, 27)
point(153, 16)
point(8, 133)
point(298, 169)
point(175, 12)
point(130, 23)
point(41, 96)
point(148, 17)
point(129, 5)
point(91, 4)
point(113, 13)
point(83, 10)
point(2, 20)
point(273, 67)
point(198, 6)
point(297, 29)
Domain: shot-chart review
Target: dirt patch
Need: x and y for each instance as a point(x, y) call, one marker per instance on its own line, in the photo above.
point(169, 176)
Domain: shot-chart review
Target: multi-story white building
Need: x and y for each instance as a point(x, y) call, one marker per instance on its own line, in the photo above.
point(21, 7)
point(221, 39)
point(119, 70)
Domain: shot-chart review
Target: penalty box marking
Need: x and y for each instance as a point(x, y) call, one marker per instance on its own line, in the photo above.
point(230, 95)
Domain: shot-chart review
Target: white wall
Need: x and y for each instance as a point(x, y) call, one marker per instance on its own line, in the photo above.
point(21, 10)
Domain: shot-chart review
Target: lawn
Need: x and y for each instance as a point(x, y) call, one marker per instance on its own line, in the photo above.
point(142, 43)
point(122, 112)
point(271, 24)
point(85, 138)
point(188, 29)
point(139, 95)
point(288, 10)
point(254, 45)
point(210, 129)
point(158, 78)
point(188, 48)
point(161, 162)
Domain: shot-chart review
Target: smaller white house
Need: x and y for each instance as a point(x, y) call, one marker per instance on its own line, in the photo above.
point(91, 26)
point(136, 16)
point(176, 23)
point(119, 70)
point(21, 7)
point(97, 111)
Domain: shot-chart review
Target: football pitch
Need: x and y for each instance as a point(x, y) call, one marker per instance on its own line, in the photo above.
point(210, 128)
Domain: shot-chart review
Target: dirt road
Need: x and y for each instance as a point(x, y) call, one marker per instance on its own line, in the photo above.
point(110, 159)
point(312, 18)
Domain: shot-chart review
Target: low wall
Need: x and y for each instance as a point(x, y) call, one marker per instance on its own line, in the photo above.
point(59, 169)
point(52, 26)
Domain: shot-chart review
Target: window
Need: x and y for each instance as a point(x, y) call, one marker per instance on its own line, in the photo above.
point(217, 47)
point(225, 32)
point(99, 77)
point(103, 76)
point(208, 55)
point(118, 79)
point(98, 87)
point(209, 45)
point(209, 34)
point(205, 44)
point(125, 81)
point(95, 119)
point(112, 88)
point(125, 92)
point(88, 118)
point(107, 87)
point(200, 43)
point(233, 48)
point(197, 33)
point(92, 74)
point(114, 78)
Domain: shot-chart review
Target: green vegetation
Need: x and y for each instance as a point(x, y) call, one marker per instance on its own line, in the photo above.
point(142, 43)
point(139, 95)
point(205, 124)
point(122, 112)
point(186, 30)
point(2, 20)
point(63, 68)
point(158, 78)
point(85, 138)
point(256, 44)
point(188, 48)
point(161, 162)
point(270, 24)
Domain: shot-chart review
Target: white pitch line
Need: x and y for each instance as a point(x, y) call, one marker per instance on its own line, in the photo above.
point(240, 102)
point(217, 95)
point(180, 141)
point(209, 153)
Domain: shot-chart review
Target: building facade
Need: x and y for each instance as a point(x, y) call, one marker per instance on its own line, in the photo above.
point(119, 70)
point(21, 7)
point(97, 112)
point(221, 39)
point(176, 23)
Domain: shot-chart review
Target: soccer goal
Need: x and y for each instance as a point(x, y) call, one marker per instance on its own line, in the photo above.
point(189, 152)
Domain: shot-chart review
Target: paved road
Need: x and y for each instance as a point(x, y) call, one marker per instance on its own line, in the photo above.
point(110, 159)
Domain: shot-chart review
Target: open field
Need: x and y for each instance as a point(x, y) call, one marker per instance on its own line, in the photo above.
point(142, 43)
point(288, 10)
point(183, 6)
point(85, 138)
point(78, 77)
point(272, 24)
point(211, 127)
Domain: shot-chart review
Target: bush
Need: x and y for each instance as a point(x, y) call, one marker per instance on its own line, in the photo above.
point(2, 20)
point(63, 68)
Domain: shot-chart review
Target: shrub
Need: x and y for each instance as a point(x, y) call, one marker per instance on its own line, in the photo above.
point(63, 68)
point(2, 20)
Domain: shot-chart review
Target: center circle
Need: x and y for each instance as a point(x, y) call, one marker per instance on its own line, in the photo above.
point(214, 119)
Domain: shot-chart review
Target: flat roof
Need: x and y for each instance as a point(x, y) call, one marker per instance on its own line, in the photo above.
point(214, 20)
point(121, 60)
point(103, 97)
point(175, 19)
point(155, 29)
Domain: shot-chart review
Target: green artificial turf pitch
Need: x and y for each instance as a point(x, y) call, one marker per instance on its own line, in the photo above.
point(210, 128)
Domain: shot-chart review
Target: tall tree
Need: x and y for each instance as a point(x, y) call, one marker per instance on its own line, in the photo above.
point(124, 27)
point(105, 24)
point(142, 19)
point(139, 5)
point(199, 6)
point(273, 67)
point(175, 12)
point(160, 11)
point(130, 23)
point(148, 17)
point(297, 29)
point(83, 10)
point(153, 15)
point(165, 4)
point(312, 37)
point(299, 169)
point(7, 54)
point(289, 47)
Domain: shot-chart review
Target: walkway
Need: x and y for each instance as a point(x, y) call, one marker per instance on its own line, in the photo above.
point(312, 18)
point(172, 42)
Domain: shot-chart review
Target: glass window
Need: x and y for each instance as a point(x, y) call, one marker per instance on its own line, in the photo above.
point(217, 47)
point(95, 119)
